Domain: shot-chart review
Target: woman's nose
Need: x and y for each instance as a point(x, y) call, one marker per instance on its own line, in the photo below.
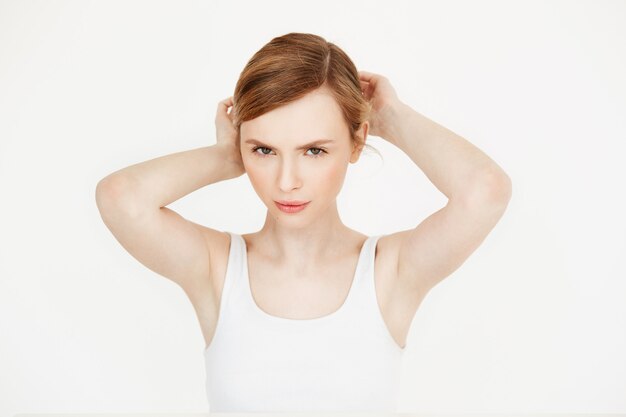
point(288, 177)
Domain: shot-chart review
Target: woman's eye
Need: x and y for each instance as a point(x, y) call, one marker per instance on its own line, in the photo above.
point(259, 147)
point(318, 153)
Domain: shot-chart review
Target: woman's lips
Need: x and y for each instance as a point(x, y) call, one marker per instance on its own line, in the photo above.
point(291, 208)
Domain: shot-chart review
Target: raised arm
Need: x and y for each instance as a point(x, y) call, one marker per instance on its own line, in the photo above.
point(478, 190)
point(132, 203)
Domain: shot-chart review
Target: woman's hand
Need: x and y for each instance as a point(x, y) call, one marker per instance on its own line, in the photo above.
point(227, 135)
point(385, 104)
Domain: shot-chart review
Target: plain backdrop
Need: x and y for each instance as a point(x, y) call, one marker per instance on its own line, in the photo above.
point(533, 321)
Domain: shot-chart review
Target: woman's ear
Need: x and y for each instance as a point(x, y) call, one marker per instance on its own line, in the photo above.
point(359, 143)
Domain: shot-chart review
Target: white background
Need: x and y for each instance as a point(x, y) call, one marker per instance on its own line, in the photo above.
point(533, 321)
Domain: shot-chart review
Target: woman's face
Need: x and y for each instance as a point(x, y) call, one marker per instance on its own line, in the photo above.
point(285, 158)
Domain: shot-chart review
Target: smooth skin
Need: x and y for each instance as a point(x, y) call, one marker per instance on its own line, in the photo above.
point(280, 171)
point(409, 262)
point(310, 255)
point(301, 264)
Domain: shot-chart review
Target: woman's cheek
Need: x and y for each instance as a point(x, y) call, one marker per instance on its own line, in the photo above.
point(333, 175)
point(255, 174)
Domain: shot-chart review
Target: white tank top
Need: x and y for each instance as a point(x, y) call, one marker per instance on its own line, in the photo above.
point(344, 361)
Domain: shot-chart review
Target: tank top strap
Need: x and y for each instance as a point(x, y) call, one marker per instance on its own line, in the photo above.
point(363, 295)
point(366, 263)
point(234, 270)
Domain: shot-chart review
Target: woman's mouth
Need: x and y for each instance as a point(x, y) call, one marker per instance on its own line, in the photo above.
point(291, 207)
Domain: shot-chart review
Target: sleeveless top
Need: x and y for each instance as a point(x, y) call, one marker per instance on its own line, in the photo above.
point(343, 361)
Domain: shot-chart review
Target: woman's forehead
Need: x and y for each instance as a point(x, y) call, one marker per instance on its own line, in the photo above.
point(303, 126)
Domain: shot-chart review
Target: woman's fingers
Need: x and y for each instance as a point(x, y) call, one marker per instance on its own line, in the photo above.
point(366, 75)
point(368, 83)
point(223, 105)
point(226, 102)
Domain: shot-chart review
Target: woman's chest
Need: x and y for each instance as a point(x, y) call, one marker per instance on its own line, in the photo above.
point(287, 293)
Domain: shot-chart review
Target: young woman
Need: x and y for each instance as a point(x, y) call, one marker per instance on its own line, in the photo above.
point(305, 314)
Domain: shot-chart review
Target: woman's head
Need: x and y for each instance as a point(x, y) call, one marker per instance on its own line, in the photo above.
point(296, 89)
point(290, 66)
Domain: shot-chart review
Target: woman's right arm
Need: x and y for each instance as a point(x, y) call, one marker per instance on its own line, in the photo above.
point(160, 181)
point(132, 203)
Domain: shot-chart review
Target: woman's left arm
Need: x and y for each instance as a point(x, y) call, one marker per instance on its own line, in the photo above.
point(455, 166)
point(478, 192)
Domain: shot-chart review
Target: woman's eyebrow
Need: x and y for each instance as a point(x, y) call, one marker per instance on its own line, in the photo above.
point(306, 146)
